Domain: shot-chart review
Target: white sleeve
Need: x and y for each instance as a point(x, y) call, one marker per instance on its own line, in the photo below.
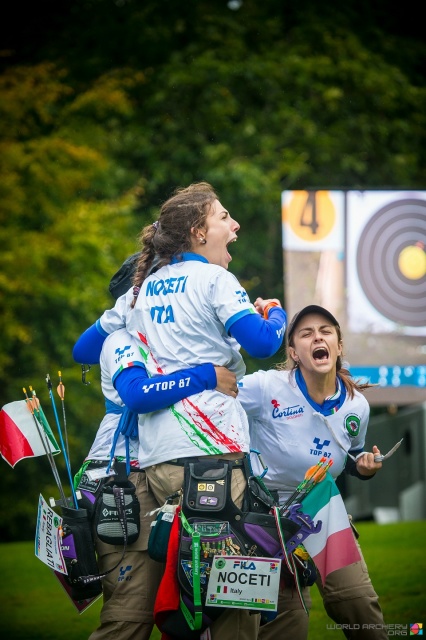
point(364, 412)
point(115, 318)
point(229, 298)
point(250, 393)
point(120, 350)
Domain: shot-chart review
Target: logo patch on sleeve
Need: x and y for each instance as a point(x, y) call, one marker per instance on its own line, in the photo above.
point(352, 424)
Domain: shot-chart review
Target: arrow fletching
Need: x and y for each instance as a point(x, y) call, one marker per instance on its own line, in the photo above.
point(61, 387)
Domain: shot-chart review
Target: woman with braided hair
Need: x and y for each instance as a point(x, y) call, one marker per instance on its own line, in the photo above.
point(187, 309)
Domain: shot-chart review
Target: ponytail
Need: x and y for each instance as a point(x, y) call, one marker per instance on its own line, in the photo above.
point(171, 235)
point(350, 383)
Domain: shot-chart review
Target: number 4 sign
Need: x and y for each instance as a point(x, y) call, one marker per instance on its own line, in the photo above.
point(313, 220)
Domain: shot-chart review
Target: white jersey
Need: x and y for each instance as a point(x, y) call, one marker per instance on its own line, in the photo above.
point(185, 311)
point(215, 343)
point(119, 351)
point(115, 318)
point(291, 435)
point(182, 316)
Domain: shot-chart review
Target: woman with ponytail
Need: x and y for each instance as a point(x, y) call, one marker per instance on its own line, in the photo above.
point(306, 408)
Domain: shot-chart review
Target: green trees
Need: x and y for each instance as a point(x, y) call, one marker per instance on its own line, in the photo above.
point(107, 106)
point(67, 222)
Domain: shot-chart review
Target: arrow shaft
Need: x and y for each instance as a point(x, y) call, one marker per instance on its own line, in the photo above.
point(67, 462)
point(46, 446)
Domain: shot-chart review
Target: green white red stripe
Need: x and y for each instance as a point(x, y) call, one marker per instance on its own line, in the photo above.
point(19, 437)
point(334, 546)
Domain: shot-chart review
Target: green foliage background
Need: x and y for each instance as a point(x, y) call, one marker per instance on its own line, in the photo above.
point(106, 106)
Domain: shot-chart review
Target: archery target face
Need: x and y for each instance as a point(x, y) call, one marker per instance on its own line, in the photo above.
point(386, 261)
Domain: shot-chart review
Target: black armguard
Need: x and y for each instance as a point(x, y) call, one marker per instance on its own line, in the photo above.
point(351, 469)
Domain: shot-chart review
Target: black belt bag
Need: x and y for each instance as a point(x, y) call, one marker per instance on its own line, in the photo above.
point(109, 522)
point(206, 486)
point(109, 525)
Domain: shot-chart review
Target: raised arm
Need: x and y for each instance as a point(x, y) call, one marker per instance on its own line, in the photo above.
point(261, 337)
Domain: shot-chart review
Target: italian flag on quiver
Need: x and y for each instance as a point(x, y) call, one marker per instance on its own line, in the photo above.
point(334, 546)
point(20, 434)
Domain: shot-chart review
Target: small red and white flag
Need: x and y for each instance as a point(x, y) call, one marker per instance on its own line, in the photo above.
point(20, 434)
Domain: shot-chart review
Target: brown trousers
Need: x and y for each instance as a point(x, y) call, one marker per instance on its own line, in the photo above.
point(129, 591)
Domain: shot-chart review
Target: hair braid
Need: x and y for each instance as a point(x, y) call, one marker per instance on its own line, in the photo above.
point(171, 235)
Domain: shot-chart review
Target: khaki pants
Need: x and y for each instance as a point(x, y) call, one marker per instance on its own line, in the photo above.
point(235, 624)
point(349, 598)
point(129, 591)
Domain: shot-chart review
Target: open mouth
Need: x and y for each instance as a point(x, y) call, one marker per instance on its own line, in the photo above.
point(320, 354)
point(227, 248)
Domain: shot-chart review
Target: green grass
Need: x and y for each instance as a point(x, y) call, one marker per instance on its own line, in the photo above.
point(34, 606)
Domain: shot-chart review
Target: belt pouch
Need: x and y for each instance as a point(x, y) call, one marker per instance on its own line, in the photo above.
point(206, 486)
point(159, 535)
point(109, 525)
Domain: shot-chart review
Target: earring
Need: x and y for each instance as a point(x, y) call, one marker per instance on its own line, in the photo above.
point(202, 240)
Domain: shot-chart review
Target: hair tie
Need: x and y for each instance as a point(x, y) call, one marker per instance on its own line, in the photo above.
point(136, 291)
point(155, 225)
